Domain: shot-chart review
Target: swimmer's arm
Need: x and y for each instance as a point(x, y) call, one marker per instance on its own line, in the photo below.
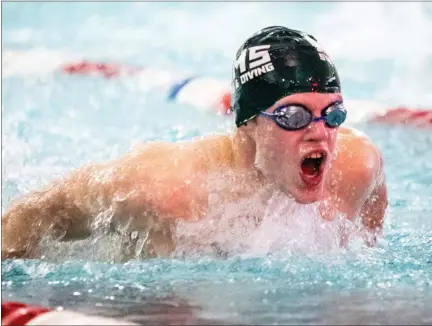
point(66, 208)
point(62, 209)
point(135, 189)
point(374, 208)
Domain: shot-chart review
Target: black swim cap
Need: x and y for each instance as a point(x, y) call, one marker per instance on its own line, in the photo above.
point(276, 62)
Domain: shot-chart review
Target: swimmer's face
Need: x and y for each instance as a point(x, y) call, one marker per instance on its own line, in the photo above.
point(297, 161)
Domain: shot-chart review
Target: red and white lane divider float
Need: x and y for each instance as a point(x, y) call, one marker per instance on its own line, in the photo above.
point(202, 92)
point(16, 313)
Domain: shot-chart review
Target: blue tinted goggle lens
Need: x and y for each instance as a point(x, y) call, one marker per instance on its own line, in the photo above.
point(296, 117)
point(335, 116)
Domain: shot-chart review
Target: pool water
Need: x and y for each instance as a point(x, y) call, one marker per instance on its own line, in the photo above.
point(52, 123)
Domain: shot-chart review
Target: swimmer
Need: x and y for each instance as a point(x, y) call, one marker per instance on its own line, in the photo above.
point(289, 113)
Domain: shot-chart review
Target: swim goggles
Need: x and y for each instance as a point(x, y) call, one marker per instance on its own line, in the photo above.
point(296, 116)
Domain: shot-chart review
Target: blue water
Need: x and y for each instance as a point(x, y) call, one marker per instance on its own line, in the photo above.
point(53, 123)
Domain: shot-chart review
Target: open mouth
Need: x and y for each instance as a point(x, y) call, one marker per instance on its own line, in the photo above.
point(311, 167)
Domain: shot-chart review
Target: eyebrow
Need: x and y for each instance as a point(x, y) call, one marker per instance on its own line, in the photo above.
point(335, 101)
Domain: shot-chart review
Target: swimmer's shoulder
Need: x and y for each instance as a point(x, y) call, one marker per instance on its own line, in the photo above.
point(356, 144)
point(351, 133)
point(358, 159)
point(172, 172)
point(175, 160)
point(208, 153)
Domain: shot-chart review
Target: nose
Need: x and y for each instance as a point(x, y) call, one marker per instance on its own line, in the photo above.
point(317, 131)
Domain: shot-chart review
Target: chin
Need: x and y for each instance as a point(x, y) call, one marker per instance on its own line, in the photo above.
point(307, 196)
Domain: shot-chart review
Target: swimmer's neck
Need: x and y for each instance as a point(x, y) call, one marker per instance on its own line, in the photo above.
point(242, 150)
point(243, 153)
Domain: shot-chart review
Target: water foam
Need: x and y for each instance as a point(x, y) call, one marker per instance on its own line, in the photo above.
point(250, 228)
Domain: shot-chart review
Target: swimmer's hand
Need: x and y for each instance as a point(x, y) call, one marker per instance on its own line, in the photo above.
point(54, 211)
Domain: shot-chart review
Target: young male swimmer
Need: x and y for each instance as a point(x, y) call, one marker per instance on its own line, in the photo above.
point(288, 109)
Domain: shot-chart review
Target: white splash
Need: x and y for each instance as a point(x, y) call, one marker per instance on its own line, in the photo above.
point(283, 227)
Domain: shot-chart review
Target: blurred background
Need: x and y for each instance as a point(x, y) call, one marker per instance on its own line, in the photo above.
point(380, 48)
point(382, 51)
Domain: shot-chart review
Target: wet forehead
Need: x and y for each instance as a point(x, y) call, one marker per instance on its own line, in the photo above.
point(313, 101)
